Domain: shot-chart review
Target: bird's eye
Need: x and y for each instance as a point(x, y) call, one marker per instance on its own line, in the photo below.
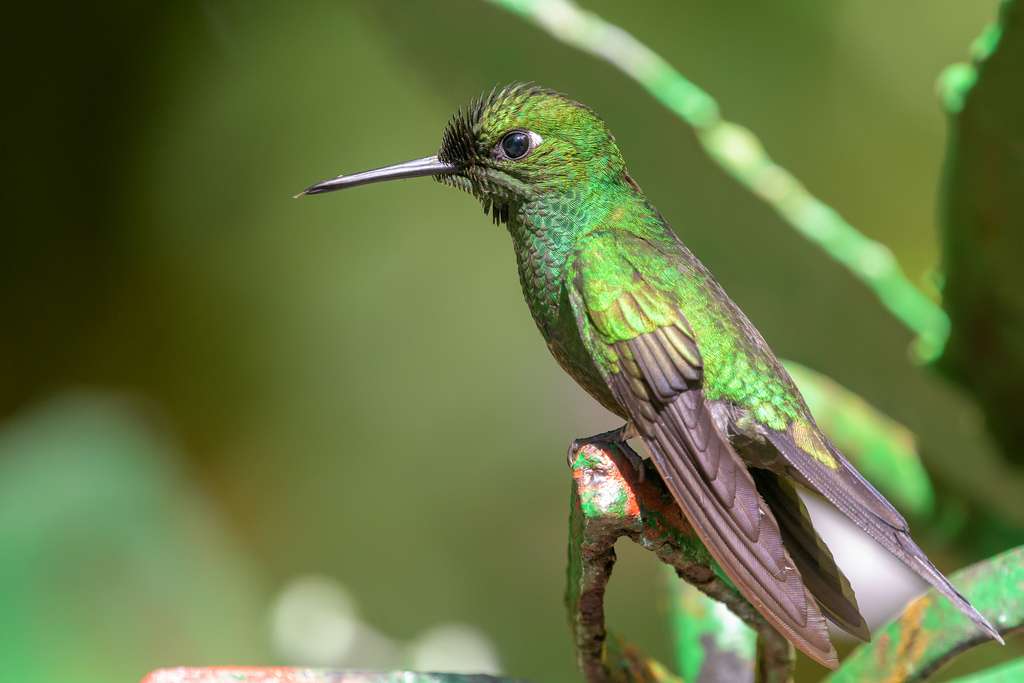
point(518, 143)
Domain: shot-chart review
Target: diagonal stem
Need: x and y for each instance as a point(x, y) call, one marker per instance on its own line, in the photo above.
point(738, 151)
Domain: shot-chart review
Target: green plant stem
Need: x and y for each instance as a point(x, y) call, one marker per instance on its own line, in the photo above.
point(738, 151)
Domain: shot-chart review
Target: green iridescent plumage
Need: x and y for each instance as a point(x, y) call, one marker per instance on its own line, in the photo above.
point(642, 325)
point(575, 185)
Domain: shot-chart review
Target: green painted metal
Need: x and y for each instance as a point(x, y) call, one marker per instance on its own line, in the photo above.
point(1009, 672)
point(882, 449)
point(738, 151)
point(613, 497)
point(603, 507)
point(982, 210)
point(930, 631)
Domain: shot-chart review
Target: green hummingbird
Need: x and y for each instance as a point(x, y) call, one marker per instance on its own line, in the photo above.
point(642, 325)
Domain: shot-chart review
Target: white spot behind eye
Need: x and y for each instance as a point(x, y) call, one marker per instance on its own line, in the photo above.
point(506, 148)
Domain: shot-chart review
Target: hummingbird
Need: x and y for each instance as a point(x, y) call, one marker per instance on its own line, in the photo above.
point(642, 325)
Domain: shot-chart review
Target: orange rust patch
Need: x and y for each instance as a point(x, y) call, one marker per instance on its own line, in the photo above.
point(632, 506)
point(608, 470)
point(913, 640)
point(882, 650)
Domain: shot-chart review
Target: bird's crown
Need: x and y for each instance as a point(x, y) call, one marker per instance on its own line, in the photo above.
point(518, 143)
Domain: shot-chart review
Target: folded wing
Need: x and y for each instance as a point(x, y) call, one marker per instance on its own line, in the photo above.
point(832, 476)
point(633, 325)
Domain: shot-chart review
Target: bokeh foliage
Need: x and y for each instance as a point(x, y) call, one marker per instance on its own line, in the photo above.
point(336, 374)
point(983, 224)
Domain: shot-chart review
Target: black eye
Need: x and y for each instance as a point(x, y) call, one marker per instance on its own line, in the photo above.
point(516, 144)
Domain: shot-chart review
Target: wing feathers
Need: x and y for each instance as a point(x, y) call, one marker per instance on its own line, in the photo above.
point(852, 495)
point(814, 560)
point(720, 499)
point(656, 378)
point(628, 309)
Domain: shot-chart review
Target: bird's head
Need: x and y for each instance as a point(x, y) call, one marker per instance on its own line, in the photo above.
point(516, 145)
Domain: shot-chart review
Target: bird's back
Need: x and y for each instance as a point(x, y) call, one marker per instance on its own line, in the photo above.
point(739, 367)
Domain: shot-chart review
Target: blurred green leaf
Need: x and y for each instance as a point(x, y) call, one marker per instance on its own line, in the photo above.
point(109, 558)
point(983, 225)
point(627, 664)
point(711, 643)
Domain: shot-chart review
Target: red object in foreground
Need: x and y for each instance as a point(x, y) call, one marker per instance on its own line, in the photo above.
point(285, 674)
point(246, 674)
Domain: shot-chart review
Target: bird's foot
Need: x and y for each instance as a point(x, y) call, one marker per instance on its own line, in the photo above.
point(618, 437)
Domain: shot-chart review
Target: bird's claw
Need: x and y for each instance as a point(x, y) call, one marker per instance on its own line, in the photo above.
point(618, 437)
point(574, 447)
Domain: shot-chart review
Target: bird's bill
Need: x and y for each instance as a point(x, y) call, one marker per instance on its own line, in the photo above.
point(409, 169)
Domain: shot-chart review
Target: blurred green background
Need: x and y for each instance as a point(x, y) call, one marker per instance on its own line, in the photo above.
point(223, 409)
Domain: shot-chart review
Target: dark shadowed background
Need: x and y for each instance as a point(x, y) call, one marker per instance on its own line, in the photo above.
point(240, 428)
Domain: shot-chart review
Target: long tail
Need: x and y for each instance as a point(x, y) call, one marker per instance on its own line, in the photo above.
point(856, 498)
point(813, 559)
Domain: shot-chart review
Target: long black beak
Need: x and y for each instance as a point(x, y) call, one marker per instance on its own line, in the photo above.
point(409, 169)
